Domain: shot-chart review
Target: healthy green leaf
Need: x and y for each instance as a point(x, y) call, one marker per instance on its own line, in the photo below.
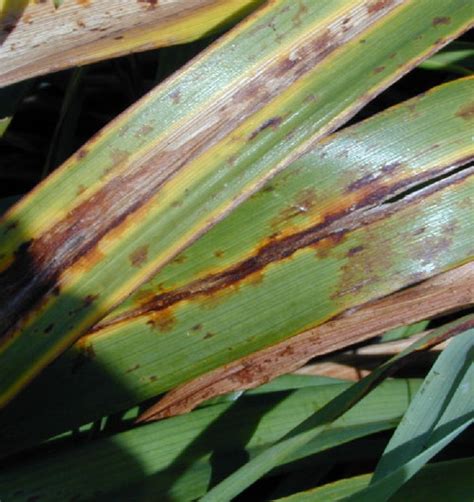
point(451, 480)
point(178, 457)
point(317, 424)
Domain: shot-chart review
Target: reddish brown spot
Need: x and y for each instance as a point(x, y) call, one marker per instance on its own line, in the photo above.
point(466, 112)
point(82, 153)
point(151, 3)
point(84, 3)
point(326, 245)
point(439, 21)
point(379, 5)
point(144, 130)
point(139, 256)
point(218, 253)
point(80, 190)
point(379, 69)
point(89, 300)
point(273, 123)
point(163, 320)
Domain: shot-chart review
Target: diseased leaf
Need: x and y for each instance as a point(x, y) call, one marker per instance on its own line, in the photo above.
point(320, 268)
point(187, 154)
point(89, 31)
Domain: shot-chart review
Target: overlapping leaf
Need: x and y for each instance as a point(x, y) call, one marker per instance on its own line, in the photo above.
point(87, 31)
point(175, 458)
point(319, 251)
point(187, 154)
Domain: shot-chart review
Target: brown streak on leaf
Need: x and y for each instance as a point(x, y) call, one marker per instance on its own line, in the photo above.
point(447, 292)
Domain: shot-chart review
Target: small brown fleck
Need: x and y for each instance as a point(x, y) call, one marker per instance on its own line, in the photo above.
point(133, 368)
point(218, 253)
point(377, 6)
point(152, 378)
point(208, 335)
point(175, 96)
point(379, 69)
point(438, 21)
point(144, 130)
point(466, 112)
point(80, 190)
point(84, 3)
point(48, 329)
point(81, 153)
point(355, 250)
point(139, 256)
point(89, 299)
point(197, 327)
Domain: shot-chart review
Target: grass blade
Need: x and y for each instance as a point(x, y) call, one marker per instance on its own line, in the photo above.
point(314, 426)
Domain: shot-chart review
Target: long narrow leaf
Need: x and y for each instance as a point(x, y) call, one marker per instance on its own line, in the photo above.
point(138, 356)
point(174, 458)
point(187, 154)
point(88, 31)
point(451, 480)
point(315, 425)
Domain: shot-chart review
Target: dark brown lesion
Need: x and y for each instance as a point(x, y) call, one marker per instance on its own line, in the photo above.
point(272, 123)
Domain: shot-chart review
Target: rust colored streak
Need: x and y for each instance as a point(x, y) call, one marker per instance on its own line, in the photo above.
point(448, 292)
point(323, 236)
